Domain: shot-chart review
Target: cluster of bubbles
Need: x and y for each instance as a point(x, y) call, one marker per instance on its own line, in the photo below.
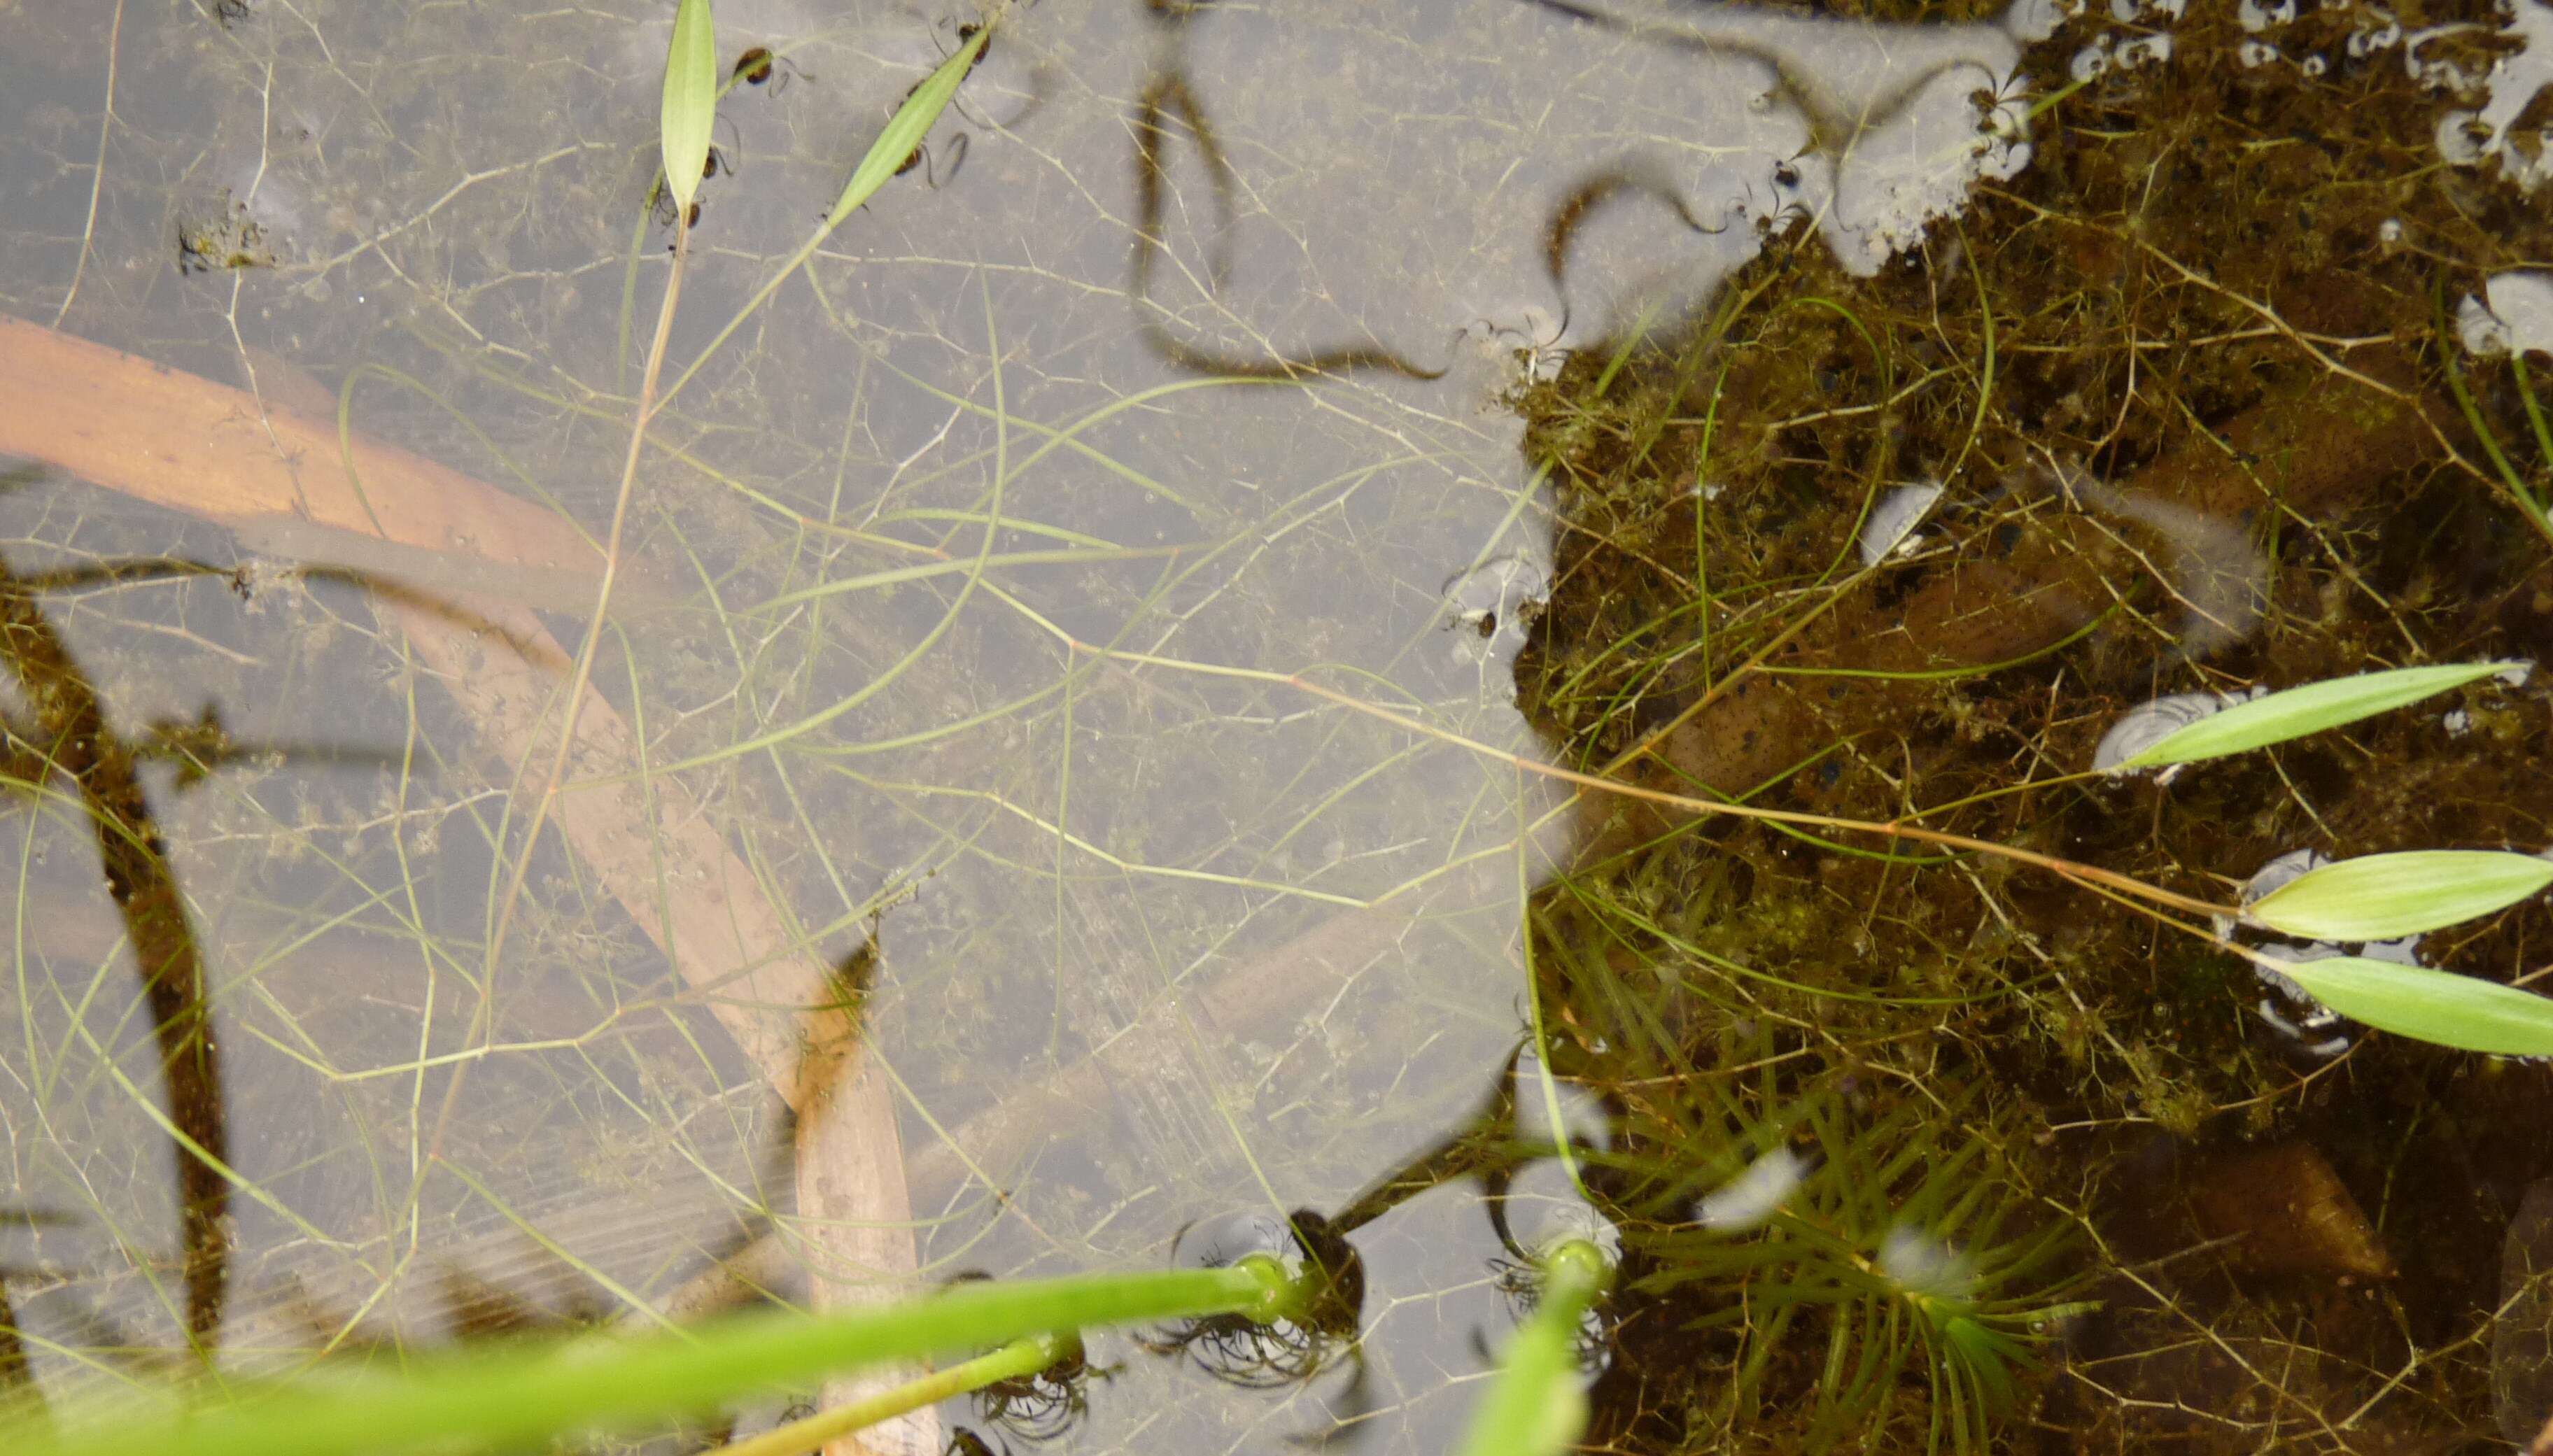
point(2513, 316)
point(2113, 52)
point(2256, 19)
point(1490, 609)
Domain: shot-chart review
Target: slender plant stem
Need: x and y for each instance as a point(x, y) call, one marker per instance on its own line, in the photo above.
point(1893, 829)
point(584, 673)
point(1018, 1358)
point(551, 781)
point(1537, 1406)
point(1701, 808)
point(531, 1392)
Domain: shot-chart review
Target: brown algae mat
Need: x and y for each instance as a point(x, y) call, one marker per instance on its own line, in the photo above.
point(2192, 389)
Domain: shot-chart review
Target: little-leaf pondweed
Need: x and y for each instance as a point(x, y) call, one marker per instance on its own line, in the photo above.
point(2379, 897)
point(690, 106)
point(2310, 708)
point(905, 130)
point(2438, 1006)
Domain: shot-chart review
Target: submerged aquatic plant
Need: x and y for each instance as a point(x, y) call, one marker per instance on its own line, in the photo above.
point(2529, 499)
point(2378, 897)
point(2283, 716)
point(2385, 897)
point(1893, 1257)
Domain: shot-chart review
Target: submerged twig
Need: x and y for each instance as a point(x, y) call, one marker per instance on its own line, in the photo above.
point(134, 858)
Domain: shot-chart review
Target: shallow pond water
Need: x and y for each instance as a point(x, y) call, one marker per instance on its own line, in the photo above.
point(1080, 743)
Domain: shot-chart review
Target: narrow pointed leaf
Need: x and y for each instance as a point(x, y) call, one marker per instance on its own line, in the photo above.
point(690, 107)
point(2430, 1005)
point(528, 1393)
point(2310, 708)
point(905, 130)
point(2378, 897)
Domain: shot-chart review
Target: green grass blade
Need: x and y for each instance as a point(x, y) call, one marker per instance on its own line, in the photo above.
point(690, 107)
point(2378, 897)
point(1016, 1360)
point(2310, 708)
point(905, 130)
point(525, 1393)
point(2428, 1005)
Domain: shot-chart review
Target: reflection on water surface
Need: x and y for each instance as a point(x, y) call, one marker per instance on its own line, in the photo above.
point(1067, 755)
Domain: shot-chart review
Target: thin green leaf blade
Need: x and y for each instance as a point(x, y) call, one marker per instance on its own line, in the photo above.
point(2430, 1005)
point(522, 1394)
point(690, 107)
point(2309, 709)
point(905, 130)
point(2378, 897)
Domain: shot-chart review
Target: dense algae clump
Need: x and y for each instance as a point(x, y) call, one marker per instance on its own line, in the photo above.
point(2188, 379)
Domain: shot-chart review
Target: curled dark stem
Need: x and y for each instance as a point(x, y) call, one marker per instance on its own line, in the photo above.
point(1831, 129)
point(1166, 99)
point(1590, 196)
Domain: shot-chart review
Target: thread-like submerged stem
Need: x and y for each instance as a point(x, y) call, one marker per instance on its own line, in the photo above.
point(1537, 1405)
point(1014, 1361)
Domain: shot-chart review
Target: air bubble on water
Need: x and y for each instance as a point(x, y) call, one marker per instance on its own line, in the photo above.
point(1753, 1196)
point(1492, 606)
point(2032, 21)
point(2256, 17)
point(2145, 49)
point(2519, 70)
point(2481, 331)
point(2514, 314)
point(1921, 1263)
point(2147, 724)
point(2281, 873)
point(1890, 531)
point(1583, 1117)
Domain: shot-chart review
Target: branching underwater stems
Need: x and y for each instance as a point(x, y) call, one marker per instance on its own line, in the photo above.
point(2089, 875)
point(584, 670)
